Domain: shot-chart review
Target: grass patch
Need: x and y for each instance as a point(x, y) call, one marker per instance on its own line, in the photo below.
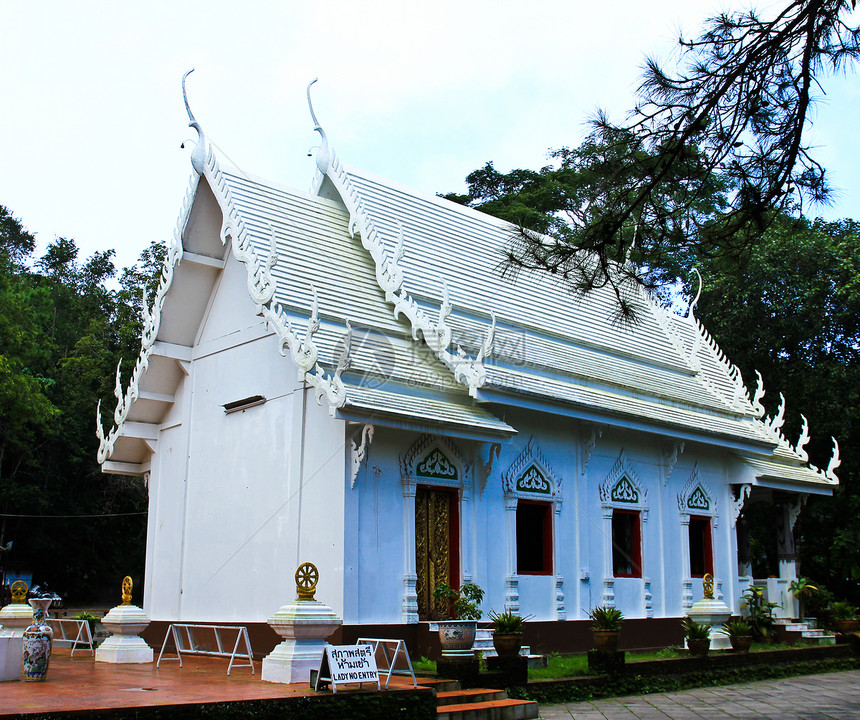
point(424, 666)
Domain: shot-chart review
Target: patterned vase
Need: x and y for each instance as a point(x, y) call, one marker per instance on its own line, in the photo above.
point(38, 640)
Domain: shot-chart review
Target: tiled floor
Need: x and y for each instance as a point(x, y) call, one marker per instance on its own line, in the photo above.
point(80, 683)
point(812, 697)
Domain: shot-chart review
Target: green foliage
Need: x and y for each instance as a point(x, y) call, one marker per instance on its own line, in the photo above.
point(508, 622)
point(60, 340)
point(711, 149)
point(759, 613)
point(843, 611)
point(605, 618)
point(465, 602)
point(791, 311)
point(424, 666)
point(738, 628)
point(694, 630)
point(802, 587)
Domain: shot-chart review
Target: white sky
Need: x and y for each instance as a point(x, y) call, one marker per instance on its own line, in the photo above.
point(419, 92)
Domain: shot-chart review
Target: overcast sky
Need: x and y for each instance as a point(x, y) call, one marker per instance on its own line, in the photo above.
point(419, 92)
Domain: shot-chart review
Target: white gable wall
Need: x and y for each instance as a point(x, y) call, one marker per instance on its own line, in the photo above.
point(230, 519)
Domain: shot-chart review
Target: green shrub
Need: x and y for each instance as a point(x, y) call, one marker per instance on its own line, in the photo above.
point(738, 628)
point(465, 601)
point(605, 618)
point(506, 623)
point(843, 611)
point(694, 630)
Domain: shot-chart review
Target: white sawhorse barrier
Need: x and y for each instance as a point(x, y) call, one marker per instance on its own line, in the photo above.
point(391, 658)
point(72, 631)
point(209, 640)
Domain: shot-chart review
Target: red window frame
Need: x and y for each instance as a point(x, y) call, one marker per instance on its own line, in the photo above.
point(701, 524)
point(634, 552)
point(546, 538)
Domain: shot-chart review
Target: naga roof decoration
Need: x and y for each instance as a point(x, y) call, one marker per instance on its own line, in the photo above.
point(436, 334)
point(421, 288)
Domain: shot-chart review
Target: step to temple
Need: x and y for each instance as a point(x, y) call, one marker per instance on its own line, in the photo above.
point(454, 703)
point(794, 631)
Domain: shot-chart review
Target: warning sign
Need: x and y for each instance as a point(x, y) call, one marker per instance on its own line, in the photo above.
point(349, 664)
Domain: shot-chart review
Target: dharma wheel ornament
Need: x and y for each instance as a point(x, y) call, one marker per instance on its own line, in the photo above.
point(126, 590)
point(19, 592)
point(708, 586)
point(17, 615)
point(307, 577)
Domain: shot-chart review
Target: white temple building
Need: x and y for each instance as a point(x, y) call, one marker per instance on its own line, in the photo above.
point(343, 377)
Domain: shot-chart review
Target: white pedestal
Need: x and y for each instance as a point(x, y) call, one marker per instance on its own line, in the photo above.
point(16, 617)
point(713, 613)
point(11, 647)
point(125, 645)
point(305, 624)
point(124, 649)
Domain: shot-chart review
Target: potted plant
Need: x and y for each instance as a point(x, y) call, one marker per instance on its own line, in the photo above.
point(802, 589)
point(697, 635)
point(457, 635)
point(740, 634)
point(760, 615)
point(844, 616)
point(606, 628)
point(508, 632)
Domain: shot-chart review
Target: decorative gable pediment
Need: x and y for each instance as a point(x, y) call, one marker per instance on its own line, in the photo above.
point(437, 466)
point(436, 461)
point(531, 475)
point(622, 487)
point(696, 497)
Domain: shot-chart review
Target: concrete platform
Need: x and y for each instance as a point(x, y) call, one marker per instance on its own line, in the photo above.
point(82, 686)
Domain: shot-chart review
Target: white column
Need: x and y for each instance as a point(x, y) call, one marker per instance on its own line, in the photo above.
point(608, 599)
point(560, 609)
point(512, 587)
point(467, 531)
point(687, 583)
point(409, 605)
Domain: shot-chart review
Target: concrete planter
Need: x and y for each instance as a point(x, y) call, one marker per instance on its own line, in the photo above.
point(507, 644)
point(457, 636)
point(606, 641)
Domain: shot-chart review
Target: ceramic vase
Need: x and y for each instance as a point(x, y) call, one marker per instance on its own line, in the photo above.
point(38, 641)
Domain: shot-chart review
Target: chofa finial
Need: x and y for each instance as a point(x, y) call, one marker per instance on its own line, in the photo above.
point(695, 300)
point(198, 155)
point(323, 154)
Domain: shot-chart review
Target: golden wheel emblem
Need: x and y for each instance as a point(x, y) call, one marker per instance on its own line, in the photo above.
point(307, 577)
point(19, 592)
point(126, 590)
point(708, 586)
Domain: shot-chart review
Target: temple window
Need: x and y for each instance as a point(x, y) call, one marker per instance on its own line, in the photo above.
point(534, 537)
point(701, 549)
point(626, 543)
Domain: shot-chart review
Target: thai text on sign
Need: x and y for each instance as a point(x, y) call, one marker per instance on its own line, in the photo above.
point(352, 663)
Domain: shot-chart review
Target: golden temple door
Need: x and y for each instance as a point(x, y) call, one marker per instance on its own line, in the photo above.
point(436, 548)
